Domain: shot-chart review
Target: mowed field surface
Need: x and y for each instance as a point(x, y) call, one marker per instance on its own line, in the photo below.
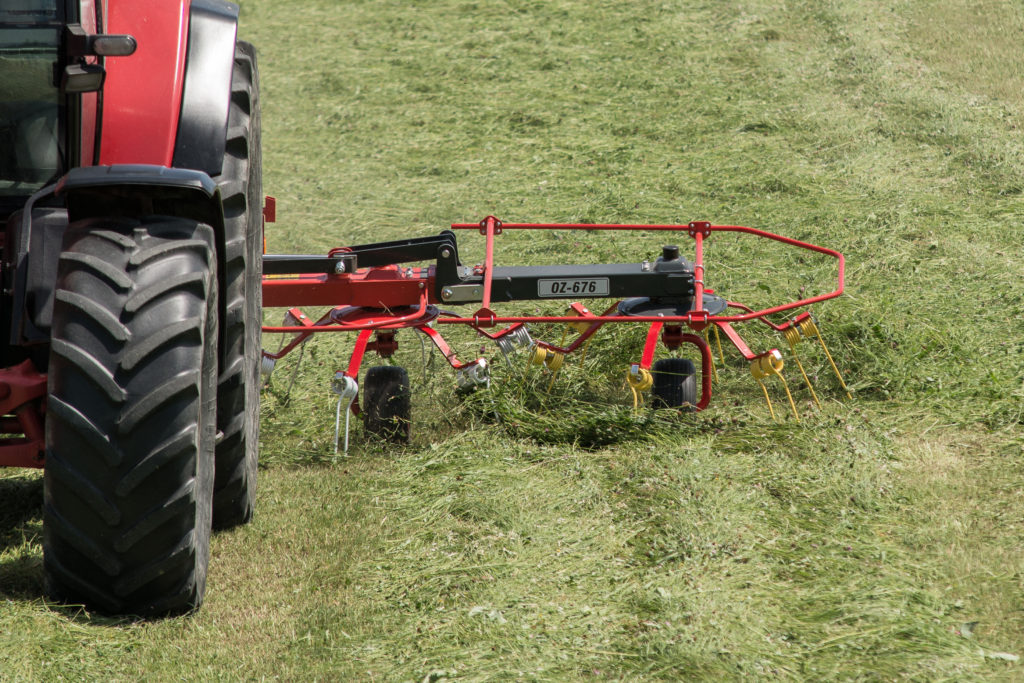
point(545, 531)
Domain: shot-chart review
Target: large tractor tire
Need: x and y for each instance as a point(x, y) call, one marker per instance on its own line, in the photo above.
point(131, 425)
point(238, 388)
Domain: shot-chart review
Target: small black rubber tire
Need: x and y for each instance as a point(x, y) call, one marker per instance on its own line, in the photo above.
point(675, 384)
point(238, 388)
point(387, 403)
point(131, 425)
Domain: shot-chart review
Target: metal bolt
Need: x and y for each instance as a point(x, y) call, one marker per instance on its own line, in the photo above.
point(446, 253)
point(447, 293)
point(339, 267)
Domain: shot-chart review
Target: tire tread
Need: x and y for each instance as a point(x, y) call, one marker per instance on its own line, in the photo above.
point(130, 433)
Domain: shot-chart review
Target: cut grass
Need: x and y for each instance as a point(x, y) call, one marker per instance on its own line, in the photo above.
point(552, 534)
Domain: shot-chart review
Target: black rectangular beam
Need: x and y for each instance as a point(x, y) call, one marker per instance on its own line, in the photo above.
point(598, 281)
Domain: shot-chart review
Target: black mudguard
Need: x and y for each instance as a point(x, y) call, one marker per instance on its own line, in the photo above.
point(141, 189)
point(199, 145)
point(122, 190)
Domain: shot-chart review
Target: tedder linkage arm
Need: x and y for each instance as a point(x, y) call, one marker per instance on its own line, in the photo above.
point(371, 291)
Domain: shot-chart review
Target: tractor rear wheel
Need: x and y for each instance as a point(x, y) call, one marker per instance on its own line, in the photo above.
point(238, 388)
point(387, 403)
point(131, 426)
point(675, 385)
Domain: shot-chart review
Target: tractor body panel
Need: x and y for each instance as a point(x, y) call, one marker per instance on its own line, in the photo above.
point(164, 109)
point(168, 104)
point(148, 141)
point(142, 93)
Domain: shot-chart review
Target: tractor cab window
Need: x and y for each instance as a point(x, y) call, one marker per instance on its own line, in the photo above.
point(29, 104)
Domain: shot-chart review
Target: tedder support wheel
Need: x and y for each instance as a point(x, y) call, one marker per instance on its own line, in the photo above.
point(674, 383)
point(238, 388)
point(387, 402)
point(130, 426)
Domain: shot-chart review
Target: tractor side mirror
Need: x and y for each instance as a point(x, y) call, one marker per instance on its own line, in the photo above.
point(81, 75)
point(78, 78)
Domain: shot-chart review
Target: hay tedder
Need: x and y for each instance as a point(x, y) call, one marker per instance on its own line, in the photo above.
point(132, 210)
point(374, 294)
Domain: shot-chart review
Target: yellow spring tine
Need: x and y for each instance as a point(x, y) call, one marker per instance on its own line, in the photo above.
point(551, 383)
point(718, 341)
point(583, 354)
point(639, 380)
point(768, 364)
point(833, 363)
point(537, 355)
point(800, 365)
point(714, 365)
point(785, 385)
point(808, 328)
point(553, 362)
point(768, 400)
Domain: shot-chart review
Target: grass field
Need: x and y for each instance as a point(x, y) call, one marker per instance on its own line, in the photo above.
point(877, 539)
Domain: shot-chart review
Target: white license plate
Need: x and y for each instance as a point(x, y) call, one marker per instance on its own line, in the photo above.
point(593, 286)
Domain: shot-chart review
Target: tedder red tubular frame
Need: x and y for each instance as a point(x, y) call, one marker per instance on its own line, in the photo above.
point(383, 296)
point(697, 230)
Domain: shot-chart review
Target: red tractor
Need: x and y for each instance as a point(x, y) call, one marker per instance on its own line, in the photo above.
point(131, 201)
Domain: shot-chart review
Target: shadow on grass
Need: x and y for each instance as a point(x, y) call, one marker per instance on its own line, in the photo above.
point(21, 529)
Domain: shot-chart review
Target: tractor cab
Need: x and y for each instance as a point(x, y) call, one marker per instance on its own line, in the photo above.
point(30, 35)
